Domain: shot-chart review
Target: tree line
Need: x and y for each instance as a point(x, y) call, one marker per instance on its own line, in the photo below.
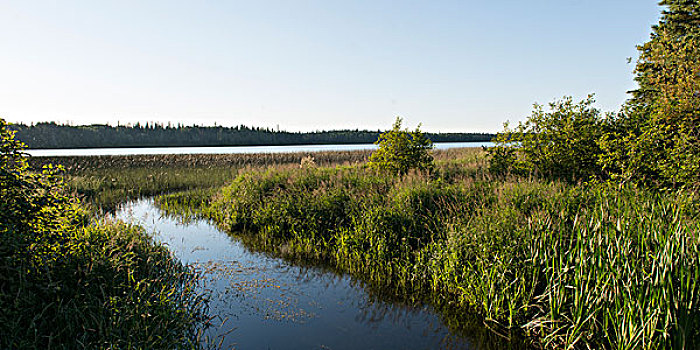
point(54, 135)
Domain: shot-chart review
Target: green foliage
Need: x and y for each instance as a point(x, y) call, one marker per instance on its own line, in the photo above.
point(31, 202)
point(653, 141)
point(560, 143)
point(503, 156)
point(402, 150)
point(52, 135)
point(572, 267)
point(67, 284)
point(669, 57)
point(664, 149)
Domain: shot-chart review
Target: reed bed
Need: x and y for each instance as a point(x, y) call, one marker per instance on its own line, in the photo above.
point(589, 266)
point(79, 164)
point(106, 181)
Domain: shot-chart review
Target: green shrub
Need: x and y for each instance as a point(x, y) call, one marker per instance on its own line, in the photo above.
point(402, 150)
point(561, 143)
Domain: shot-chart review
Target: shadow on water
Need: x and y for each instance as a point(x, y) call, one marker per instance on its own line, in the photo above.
point(264, 302)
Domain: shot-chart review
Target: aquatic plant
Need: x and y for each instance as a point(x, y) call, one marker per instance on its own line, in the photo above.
point(568, 266)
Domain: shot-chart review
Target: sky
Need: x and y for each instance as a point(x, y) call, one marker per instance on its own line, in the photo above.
point(453, 66)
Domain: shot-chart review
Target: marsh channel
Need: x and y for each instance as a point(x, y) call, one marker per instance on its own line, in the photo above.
point(262, 302)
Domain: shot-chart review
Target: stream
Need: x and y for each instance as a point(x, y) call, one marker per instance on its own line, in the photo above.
point(263, 302)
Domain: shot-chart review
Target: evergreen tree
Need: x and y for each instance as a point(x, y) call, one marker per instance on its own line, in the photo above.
point(673, 40)
point(658, 135)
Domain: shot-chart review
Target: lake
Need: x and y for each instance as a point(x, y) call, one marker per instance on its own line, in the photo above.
point(226, 150)
point(268, 303)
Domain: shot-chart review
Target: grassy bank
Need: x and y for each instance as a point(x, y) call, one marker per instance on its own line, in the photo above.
point(70, 281)
point(566, 266)
point(106, 285)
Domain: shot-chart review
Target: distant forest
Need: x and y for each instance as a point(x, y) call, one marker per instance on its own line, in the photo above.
point(53, 135)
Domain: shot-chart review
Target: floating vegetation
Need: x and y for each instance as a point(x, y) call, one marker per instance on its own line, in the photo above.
point(249, 286)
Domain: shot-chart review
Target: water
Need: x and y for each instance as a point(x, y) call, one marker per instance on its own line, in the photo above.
point(225, 150)
point(270, 304)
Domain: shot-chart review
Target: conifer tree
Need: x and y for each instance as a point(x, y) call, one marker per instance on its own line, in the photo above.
point(658, 139)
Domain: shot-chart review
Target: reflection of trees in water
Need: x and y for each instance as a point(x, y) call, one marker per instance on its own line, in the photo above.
point(451, 327)
point(384, 301)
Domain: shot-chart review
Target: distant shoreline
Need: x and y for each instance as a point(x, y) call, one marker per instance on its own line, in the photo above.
point(42, 136)
point(235, 145)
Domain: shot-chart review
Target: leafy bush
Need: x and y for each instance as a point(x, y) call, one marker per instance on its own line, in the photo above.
point(402, 150)
point(561, 143)
point(503, 156)
point(653, 141)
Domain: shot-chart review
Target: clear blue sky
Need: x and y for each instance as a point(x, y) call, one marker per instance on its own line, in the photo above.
point(311, 65)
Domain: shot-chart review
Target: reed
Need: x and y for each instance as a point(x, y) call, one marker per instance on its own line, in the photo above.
point(106, 181)
point(107, 286)
point(587, 266)
point(79, 164)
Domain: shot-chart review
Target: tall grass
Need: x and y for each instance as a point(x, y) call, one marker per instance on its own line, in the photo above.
point(107, 286)
point(77, 164)
point(567, 266)
point(107, 188)
point(106, 181)
point(69, 281)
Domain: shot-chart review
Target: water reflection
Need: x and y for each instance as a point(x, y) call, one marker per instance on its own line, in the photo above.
point(266, 303)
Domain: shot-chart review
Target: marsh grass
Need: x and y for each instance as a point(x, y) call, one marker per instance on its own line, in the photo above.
point(68, 281)
point(77, 164)
point(562, 265)
point(106, 181)
point(106, 189)
point(107, 286)
point(587, 266)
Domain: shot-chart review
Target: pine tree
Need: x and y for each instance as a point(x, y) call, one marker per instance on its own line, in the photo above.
point(662, 134)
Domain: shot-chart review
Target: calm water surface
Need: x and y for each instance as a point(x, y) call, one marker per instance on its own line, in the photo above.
point(226, 150)
point(269, 304)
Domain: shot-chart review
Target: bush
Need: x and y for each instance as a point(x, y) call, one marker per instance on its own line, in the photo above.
point(402, 150)
point(561, 143)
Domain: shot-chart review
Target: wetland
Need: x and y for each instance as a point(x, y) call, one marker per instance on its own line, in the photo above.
point(263, 302)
